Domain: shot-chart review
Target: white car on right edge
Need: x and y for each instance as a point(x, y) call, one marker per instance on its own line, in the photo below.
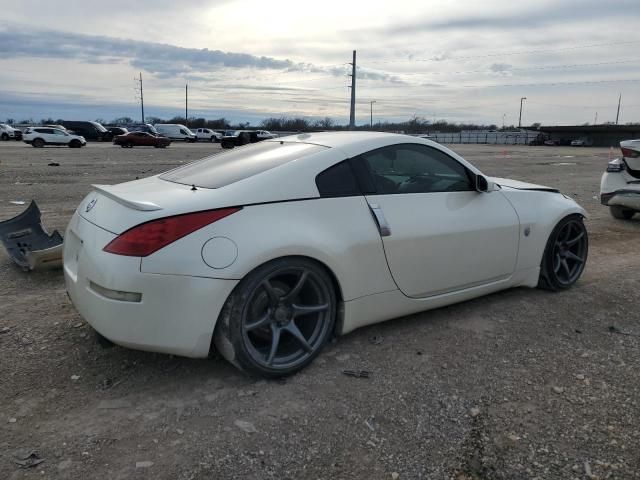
point(620, 184)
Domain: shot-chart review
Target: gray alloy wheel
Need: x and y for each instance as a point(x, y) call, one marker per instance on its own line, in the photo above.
point(38, 143)
point(621, 212)
point(565, 255)
point(278, 318)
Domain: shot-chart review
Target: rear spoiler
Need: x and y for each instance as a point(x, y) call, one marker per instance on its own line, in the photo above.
point(107, 190)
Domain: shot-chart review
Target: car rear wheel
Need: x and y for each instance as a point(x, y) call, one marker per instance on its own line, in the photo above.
point(38, 143)
point(278, 318)
point(621, 212)
point(565, 255)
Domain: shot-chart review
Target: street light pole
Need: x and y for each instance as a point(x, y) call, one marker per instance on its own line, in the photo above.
point(503, 117)
point(371, 117)
point(520, 118)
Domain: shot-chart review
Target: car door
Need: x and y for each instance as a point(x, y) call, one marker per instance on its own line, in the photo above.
point(146, 139)
point(439, 234)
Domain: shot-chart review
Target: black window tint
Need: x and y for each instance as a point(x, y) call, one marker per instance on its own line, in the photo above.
point(411, 168)
point(233, 165)
point(337, 181)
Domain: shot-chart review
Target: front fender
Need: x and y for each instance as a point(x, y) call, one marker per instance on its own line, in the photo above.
point(539, 212)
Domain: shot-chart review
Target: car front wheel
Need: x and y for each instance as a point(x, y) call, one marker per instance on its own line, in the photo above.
point(278, 318)
point(621, 212)
point(565, 255)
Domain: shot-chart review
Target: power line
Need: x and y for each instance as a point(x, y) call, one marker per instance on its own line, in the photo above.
point(520, 69)
point(506, 54)
point(553, 84)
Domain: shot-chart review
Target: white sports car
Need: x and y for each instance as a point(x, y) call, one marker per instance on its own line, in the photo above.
point(620, 184)
point(265, 251)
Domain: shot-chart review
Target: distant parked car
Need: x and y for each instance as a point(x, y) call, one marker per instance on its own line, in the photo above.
point(578, 143)
point(115, 131)
point(89, 130)
point(237, 138)
point(551, 143)
point(175, 131)
point(142, 127)
point(7, 132)
point(41, 136)
point(207, 134)
point(264, 135)
point(141, 139)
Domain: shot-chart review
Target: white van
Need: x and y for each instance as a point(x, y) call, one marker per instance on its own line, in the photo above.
point(175, 131)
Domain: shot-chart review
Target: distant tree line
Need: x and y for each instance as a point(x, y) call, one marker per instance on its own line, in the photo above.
point(416, 124)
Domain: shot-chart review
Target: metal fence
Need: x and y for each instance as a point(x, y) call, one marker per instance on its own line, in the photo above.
point(493, 138)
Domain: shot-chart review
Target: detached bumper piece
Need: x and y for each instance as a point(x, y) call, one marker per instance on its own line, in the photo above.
point(28, 243)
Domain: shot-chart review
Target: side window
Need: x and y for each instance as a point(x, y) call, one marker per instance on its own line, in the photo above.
point(182, 131)
point(410, 168)
point(337, 181)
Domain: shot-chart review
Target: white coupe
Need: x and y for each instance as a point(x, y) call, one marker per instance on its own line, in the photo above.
point(266, 251)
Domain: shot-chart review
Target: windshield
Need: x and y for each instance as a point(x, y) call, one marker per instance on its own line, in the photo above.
point(240, 163)
point(98, 126)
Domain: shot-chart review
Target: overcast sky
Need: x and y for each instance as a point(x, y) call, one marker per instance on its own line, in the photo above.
point(463, 61)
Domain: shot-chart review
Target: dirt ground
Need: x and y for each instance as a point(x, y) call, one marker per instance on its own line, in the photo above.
point(518, 385)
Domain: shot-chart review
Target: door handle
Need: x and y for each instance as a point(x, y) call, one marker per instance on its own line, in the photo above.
point(381, 221)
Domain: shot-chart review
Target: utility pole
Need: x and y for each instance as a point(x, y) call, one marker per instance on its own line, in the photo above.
point(352, 115)
point(595, 122)
point(618, 113)
point(141, 98)
point(520, 118)
point(503, 117)
point(371, 117)
point(186, 105)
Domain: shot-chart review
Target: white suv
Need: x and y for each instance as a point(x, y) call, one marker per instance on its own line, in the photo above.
point(7, 131)
point(207, 134)
point(41, 136)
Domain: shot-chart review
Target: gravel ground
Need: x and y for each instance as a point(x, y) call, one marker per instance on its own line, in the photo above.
point(519, 384)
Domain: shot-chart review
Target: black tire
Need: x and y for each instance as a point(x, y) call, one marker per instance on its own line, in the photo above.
point(75, 144)
point(621, 212)
point(122, 145)
point(565, 255)
point(38, 143)
point(259, 329)
point(4, 137)
point(128, 145)
point(212, 139)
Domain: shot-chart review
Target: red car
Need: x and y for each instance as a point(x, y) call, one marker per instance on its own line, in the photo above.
point(141, 139)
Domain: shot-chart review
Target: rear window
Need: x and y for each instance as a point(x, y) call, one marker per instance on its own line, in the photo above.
point(240, 163)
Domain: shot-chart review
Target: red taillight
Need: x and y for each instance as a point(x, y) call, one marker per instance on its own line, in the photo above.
point(144, 239)
point(629, 153)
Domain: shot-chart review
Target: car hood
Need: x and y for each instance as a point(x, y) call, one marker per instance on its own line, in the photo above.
point(518, 185)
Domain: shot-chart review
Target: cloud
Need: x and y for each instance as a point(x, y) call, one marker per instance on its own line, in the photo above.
point(161, 59)
point(501, 68)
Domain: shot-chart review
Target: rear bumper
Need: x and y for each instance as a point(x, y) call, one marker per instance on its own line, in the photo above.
point(161, 313)
point(620, 189)
point(624, 198)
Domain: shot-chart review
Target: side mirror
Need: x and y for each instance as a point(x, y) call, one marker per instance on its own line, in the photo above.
point(482, 185)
